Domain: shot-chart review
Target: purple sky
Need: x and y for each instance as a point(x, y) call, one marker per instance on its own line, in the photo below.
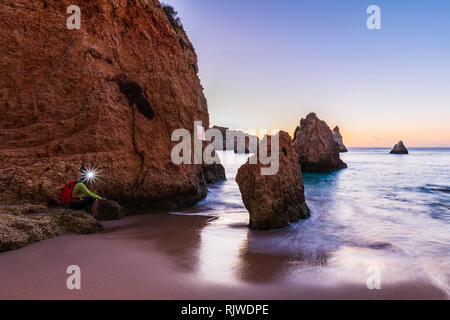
point(266, 64)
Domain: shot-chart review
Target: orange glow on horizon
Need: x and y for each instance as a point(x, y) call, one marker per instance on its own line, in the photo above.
point(389, 137)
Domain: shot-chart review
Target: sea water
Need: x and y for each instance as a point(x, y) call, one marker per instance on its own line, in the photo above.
point(388, 212)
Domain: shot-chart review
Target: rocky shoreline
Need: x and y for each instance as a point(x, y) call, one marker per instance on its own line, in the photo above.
point(21, 225)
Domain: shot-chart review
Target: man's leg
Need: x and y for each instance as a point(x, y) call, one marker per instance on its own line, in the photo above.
point(94, 207)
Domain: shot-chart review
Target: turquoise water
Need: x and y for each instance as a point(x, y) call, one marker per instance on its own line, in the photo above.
point(388, 211)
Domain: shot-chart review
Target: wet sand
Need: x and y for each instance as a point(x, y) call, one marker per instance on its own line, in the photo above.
point(159, 257)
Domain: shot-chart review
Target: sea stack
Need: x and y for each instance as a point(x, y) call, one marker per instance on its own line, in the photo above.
point(317, 150)
point(214, 172)
point(338, 138)
point(109, 95)
point(237, 140)
point(399, 148)
point(245, 143)
point(274, 201)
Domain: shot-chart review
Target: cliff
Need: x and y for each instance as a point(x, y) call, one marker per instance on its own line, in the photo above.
point(109, 95)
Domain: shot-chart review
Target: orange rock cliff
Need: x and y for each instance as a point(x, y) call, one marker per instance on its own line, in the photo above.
point(109, 94)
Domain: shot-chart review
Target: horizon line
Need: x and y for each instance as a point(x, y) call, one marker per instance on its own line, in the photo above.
point(444, 147)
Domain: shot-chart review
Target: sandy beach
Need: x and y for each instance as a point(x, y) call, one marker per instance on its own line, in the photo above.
point(156, 257)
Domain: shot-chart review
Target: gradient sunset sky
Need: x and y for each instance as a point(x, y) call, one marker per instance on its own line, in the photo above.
point(266, 64)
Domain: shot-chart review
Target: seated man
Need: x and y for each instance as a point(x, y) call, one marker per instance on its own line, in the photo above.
point(83, 198)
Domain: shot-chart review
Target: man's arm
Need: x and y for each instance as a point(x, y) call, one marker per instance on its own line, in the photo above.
point(88, 192)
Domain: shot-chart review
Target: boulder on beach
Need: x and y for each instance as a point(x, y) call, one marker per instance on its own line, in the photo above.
point(274, 201)
point(78, 222)
point(109, 210)
point(316, 148)
point(109, 95)
point(399, 148)
point(18, 229)
point(338, 138)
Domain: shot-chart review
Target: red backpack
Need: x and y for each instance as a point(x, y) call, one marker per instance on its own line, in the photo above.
point(66, 193)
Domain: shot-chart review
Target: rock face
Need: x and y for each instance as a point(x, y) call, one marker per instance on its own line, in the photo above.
point(338, 138)
point(274, 201)
point(109, 94)
point(18, 230)
point(399, 148)
point(317, 150)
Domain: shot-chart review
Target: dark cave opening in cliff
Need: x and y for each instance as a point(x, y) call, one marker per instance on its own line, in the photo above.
point(135, 96)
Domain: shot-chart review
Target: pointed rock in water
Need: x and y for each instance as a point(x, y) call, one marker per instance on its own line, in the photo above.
point(109, 94)
point(317, 150)
point(274, 201)
point(338, 138)
point(399, 148)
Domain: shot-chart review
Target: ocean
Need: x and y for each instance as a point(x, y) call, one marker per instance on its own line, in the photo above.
point(385, 215)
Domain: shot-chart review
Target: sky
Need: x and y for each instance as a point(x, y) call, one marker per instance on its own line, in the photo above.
point(266, 64)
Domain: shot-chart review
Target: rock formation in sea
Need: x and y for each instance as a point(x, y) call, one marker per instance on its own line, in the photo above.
point(223, 131)
point(338, 138)
point(317, 150)
point(237, 140)
point(399, 148)
point(274, 201)
point(109, 94)
point(245, 143)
